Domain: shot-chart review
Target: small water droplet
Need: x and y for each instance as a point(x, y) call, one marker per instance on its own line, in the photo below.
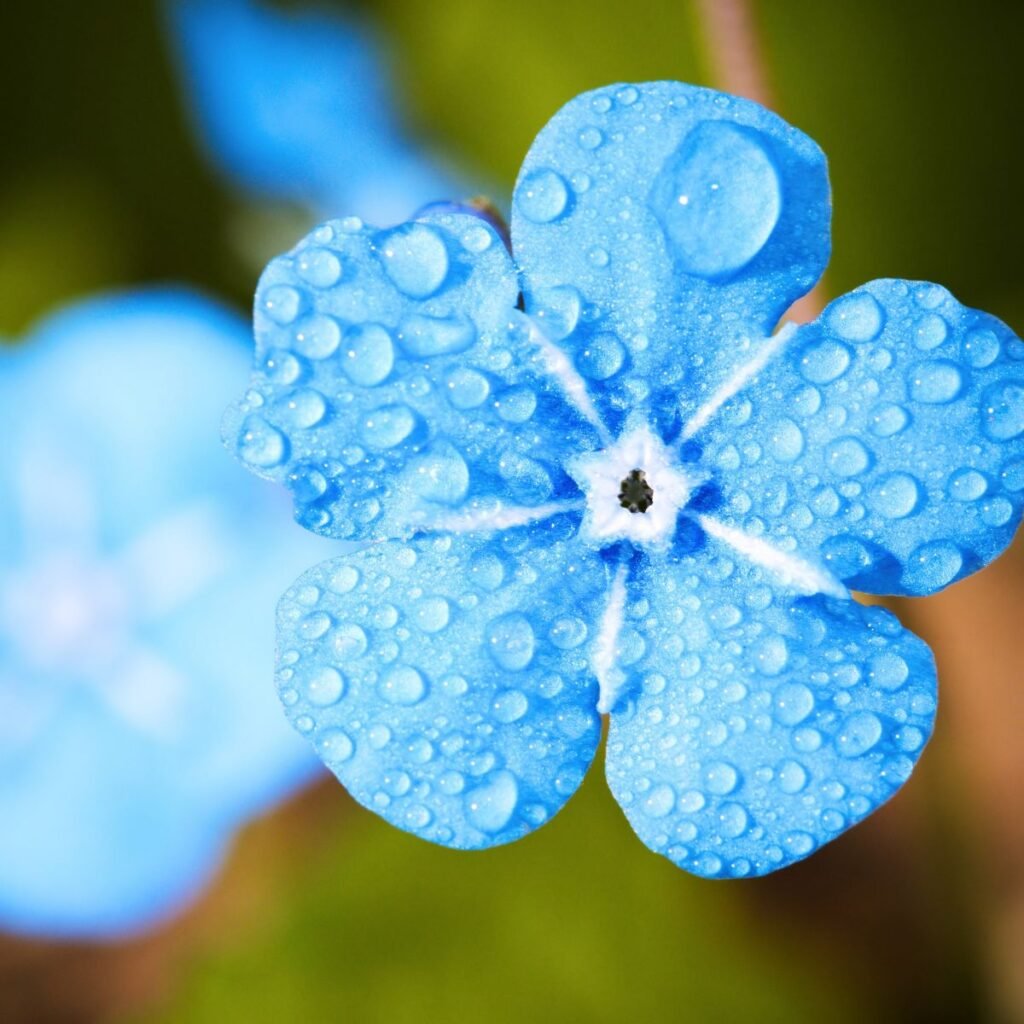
point(720, 778)
point(846, 456)
point(281, 303)
point(424, 336)
point(440, 475)
point(415, 257)
point(930, 331)
point(334, 746)
point(388, 426)
point(825, 362)
point(325, 686)
point(349, 642)
point(888, 671)
point(967, 485)
point(732, 821)
point(260, 444)
point(786, 441)
point(590, 138)
point(318, 336)
point(303, 408)
point(319, 267)
point(431, 614)
point(858, 734)
point(403, 685)
point(659, 801)
point(490, 807)
point(981, 348)
point(791, 777)
point(568, 633)
point(509, 706)
point(510, 640)
point(466, 388)
point(1002, 410)
point(542, 196)
point(888, 419)
point(855, 317)
point(895, 496)
point(602, 357)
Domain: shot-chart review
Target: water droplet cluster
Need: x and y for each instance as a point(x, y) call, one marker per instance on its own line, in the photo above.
point(758, 726)
point(395, 383)
point(446, 684)
point(888, 438)
point(657, 227)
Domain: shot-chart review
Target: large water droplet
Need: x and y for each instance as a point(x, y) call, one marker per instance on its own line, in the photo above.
point(431, 614)
point(369, 354)
point(415, 257)
point(423, 336)
point(349, 642)
point(281, 303)
point(260, 444)
point(440, 475)
point(888, 671)
point(542, 196)
point(932, 566)
point(334, 746)
point(791, 776)
point(846, 456)
point(601, 357)
point(981, 348)
point(895, 496)
point(824, 362)
point(325, 686)
point(557, 310)
point(659, 801)
point(403, 685)
point(1002, 410)
point(303, 408)
point(509, 706)
point(770, 655)
point(318, 336)
point(490, 807)
point(319, 267)
point(388, 426)
point(720, 778)
point(718, 198)
point(786, 441)
point(888, 419)
point(466, 388)
point(510, 641)
point(935, 381)
point(967, 485)
point(858, 734)
point(855, 317)
point(793, 703)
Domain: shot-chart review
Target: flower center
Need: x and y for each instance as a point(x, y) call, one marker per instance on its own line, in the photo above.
point(635, 493)
point(620, 483)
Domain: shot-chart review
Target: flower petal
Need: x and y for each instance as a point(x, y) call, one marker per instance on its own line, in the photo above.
point(760, 724)
point(446, 682)
point(661, 229)
point(886, 438)
point(396, 386)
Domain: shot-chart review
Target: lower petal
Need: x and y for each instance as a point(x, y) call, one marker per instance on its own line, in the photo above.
point(446, 682)
point(758, 725)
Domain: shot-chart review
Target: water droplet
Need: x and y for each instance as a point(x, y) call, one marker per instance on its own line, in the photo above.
point(846, 456)
point(691, 801)
point(824, 362)
point(557, 310)
point(344, 579)
point(260, 444)
point(732, 821)
point(888, 671)
point(1002, 410)
point(334, 746)
point(303, 408)
point(431, 614)
point(659, 801)
point(510, 641)
point(568, 633)
point(403, 685)
point(516, 405)
point(369, 354)
point(388, 426)
point(542, 196)
point(416, 259)
point(509, 706)
point(719, 199)
point(932, 566)
point(590, 138)
point(791, 776)
point(601, 104)
point(858, 734)
point(490, 807)
point(319, 267)
point(318, 336)
point(467, 389)
point(314, 625)
point(349, 642)
point(888, 419)
point(477, 238)
point(281, 303)
point(981, 348)
point(325, 686)
point(967, 485)
point(602, 357)
point(598, 257)
point(786, 441)
point(798, 843)
point(423, 336)
point(793, 703)
point(895, 496)
point(856, 317)
point(930, 331)
point(627, 95)
point(441, 475)
point(997, 512)
point(720, 778)
point(770, 655)
point(935, 382)
point(282, 367)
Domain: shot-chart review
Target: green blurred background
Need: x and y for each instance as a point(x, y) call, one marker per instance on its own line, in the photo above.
point(323, 911)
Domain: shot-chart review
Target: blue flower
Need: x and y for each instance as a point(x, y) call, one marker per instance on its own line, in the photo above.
point(296, 106)
point(629, 497)
point(136, 577)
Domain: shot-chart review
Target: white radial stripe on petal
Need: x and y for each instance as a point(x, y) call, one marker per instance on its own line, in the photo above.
point(741, 376)
point(501, 517)
point(609, 676)
point(790, 570)
point(556, 363)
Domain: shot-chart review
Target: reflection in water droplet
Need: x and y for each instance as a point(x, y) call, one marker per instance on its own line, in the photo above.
point(542, 196)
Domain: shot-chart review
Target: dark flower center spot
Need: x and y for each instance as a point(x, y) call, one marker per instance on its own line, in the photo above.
point(635, 492)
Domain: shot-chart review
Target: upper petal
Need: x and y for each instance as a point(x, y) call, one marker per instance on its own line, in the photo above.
point(887, 438)
point(759, 725)
point(397, 386)
point(660, 228)
point(446, 682)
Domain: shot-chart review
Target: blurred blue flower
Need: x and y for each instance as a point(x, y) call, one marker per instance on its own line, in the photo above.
point(297, 106)
point(136, 573)
point(629, 498)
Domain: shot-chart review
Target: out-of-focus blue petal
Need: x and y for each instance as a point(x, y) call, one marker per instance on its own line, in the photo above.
point(758, 725)
point(662, 229)
point(446, 682)
point(396, 386)
point(297, 106)
point(887, 437)
point(138, 572)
